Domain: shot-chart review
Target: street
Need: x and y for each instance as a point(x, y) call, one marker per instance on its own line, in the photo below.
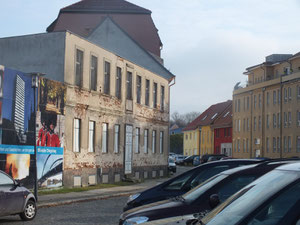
point(101, 212)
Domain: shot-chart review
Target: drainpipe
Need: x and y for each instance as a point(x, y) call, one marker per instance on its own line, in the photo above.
point(199, 141)
point(251, 112)
point(280, 111)
point(170, 85)
point(263, 123)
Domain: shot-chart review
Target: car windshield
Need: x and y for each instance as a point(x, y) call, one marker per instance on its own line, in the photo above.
point(249, 198)
point(171, 160)
point(203, 187)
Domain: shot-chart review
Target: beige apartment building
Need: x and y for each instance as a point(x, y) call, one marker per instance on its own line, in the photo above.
point(266, 113)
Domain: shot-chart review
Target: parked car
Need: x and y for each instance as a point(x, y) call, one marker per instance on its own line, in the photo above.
point(204, 158)
point(273, 199)
point(179, 159)
point(196, 161)
point(171, 164)
point(184, 182)
point(16, 199)
point(202, 198)
point(189, 160)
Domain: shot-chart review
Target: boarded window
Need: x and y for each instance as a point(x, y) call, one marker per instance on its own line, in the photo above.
point(104, 137)
point(138, 89)
point(117, 138)
point(79, 68)
point(76, 135)
point(94, 68)
point(154, 95)
point(129, 86)
point(147, 92)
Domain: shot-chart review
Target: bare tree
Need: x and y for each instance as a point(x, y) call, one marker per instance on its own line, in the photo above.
point(183, 119)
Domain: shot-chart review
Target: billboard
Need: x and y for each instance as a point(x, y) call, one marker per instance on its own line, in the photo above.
point(17, 124)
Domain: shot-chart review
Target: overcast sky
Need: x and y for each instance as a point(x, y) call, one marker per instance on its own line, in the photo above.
point(207, 43)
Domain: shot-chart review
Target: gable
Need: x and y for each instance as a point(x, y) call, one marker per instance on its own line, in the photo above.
point(111, 37)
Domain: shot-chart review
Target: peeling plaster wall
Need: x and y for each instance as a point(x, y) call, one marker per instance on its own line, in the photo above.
point(87, 105)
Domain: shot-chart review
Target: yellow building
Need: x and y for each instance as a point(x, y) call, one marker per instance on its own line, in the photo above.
point(266, 113)
point(199, 135)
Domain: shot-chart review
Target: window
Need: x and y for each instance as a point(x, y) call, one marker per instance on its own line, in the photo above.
point(117, 139)
point(154, 95)
point(162, 98)
point(104, 137)
point(298, 119)
point(259, 100)
point(147, 92)
point(259, 122)
point(267, 144)
point(161, 142)
point(239, 125)
point(285, 95)
point(94, 68)
point(254, 101)
point(235, 106)
point(290, 118)
point(153, 141)
point(298, 144)
point(146, 132)
point(285, 143)
point(268, 98)
point(119, 83)
point(248, 103)
point(79, 68)
point(76, 133)
point(138, 89)
point(285, 119)
point(129, 86)
point(137, 140)
point(290, 93)
point(247, 144)
point(278, 144)
point(244, 125)
point(106, 78)
point(274, 97)
point(248, 124)
point(238, 145)
point(244, 145)
point(298, 91)
point(254, 123)
point(274, 144)
point(239, 105)
point(278, 120)
point(91, 136)
point(268, 121)
point(279, 96)
point(5, 180)
point(274, 120)
point(289, 144)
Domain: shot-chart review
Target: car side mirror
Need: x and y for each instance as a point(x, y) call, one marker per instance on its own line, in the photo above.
point(214, 200)
point(18, 184)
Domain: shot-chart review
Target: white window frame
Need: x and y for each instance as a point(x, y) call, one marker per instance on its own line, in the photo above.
point(91, 136)
point(117, 138)
point(76, 135)
point(104, 137)
point(153, 141)
point(137, 140)
point(161, 142)
point(146, 139)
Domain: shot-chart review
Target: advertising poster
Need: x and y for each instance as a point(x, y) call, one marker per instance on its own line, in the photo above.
point(17, 123)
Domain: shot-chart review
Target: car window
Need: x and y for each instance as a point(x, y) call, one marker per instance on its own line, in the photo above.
point(207, 173)
point(5, 180)
point(277, 209)
point(177, 184)
point(234, 185)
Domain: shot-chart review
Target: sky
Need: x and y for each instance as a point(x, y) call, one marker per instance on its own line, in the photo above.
point(207, 44)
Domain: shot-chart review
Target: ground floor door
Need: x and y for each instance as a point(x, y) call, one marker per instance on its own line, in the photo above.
point(226, 148)
point(128, 149)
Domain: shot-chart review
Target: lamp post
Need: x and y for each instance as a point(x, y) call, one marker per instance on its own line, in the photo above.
point(35, 85)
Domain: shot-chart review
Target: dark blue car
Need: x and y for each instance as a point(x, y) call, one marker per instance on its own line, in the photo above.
point(16, 199)
point(184, 182)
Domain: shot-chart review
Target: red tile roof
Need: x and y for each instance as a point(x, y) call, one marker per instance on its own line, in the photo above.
point(209, 115)
point(225, 119)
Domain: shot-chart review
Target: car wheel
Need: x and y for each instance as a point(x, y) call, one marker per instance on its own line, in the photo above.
point(29, 211)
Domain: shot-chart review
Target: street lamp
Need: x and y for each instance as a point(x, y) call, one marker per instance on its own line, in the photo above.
point(35, 85)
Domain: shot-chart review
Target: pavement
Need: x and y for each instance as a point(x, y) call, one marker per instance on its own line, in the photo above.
point(51, 200)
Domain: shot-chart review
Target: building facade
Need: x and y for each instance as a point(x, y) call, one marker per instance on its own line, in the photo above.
point(200, 132)
point(266, 112)
point(117, 112)
point(223, 133)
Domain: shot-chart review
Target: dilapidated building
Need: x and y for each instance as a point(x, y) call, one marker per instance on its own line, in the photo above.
point(117, 101)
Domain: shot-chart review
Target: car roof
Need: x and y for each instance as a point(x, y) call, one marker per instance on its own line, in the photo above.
point(290, 167)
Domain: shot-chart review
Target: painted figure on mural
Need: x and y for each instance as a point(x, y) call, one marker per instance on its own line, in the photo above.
point(52, 137)
point(42, 135)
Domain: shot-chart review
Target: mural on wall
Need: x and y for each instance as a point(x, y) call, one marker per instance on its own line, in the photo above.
point(17, 128)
